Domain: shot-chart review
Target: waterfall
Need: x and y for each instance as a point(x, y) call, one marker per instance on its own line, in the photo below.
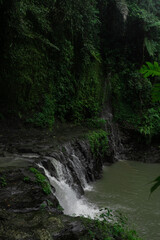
point(67, 178)
point(72, 167)
point(115, 143)
point(122, 6)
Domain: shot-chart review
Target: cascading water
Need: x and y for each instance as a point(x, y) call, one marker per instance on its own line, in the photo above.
point(63, 182)
point(115, 141)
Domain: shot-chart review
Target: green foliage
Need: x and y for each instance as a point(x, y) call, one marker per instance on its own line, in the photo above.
point(156, 184)
point(45, 118)
point(49, 203)
point(26, 179)
point(150, 46)
point(3, 182)
point(42, 206)
point(109, 226)
point(132, 101)
point(60, 208)
point(150, 69)
point(53, 67)
point(98, 142)
point(49, 61)
point(150, 123)
point(145, 12)
point(41, 179)
point(88, 102)
point(46, 204)
point(130, 96)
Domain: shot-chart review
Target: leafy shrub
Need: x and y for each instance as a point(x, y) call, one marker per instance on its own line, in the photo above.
point(133, 106)
point(98, 142)
point(45, 118)
point(150, 124)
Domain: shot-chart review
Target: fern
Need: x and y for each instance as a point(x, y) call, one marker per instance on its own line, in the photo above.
point(156, 185)
point(150, 46)
point(150, 69)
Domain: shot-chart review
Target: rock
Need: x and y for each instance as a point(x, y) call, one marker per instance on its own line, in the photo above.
point(22, 192)
point(136, 149)
point(39, 225)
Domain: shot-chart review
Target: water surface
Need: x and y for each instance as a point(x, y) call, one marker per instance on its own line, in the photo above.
point(125, 186)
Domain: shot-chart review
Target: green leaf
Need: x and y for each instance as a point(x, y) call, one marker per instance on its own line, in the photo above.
point(156, 185)
point(150, 69)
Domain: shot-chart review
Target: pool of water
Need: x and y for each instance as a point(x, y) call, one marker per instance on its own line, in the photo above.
point(125, 186)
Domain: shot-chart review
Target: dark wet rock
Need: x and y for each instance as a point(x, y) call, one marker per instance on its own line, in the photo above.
point(137, 149)
point(39, 225)
point(20, 191)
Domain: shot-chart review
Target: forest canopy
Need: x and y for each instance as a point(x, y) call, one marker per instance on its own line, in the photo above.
point(64, 59)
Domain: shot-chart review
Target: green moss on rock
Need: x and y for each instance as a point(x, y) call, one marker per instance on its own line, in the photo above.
point(41, 179)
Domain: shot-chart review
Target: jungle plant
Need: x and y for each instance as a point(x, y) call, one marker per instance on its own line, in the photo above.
point(152, 70)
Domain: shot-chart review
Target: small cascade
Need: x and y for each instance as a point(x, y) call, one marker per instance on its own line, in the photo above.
point(123, 8)
point(66, 195)
point(69, 172)
point(115, 143)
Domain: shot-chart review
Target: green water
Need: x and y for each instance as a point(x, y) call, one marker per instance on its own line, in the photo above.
point(125, 187)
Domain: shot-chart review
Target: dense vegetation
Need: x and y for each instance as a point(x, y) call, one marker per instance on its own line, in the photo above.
point(63, 59)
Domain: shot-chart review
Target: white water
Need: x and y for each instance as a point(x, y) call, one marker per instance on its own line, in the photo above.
point(67, 197)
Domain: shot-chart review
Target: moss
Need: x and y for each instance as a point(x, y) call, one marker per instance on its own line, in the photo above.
point(26, 179)
point(3, 182)
point(41, 179)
